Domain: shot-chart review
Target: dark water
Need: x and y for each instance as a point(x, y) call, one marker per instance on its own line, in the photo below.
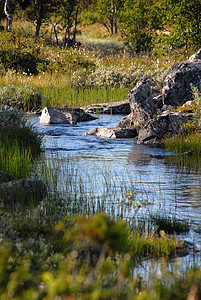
point(111, 166)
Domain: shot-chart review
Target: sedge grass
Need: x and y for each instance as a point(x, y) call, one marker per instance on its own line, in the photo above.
point(20, 144)
point(16, 161)
point(152, 245)
point(190, 143)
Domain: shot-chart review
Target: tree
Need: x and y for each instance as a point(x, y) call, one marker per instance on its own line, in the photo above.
point(105, 12)
point(7, 10)
point(139, 21)
point(69, 12)
point(185, 19)
point(38, 11)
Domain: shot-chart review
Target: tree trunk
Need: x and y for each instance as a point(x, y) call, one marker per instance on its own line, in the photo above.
point(38, 25)
point(8, 15)
point(115, 26)
point(75, 29)
point(55, 33)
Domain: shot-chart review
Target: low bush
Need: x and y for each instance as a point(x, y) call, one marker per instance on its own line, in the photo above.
point(116, 77)
point(23, 97)
point(79, 258)
point(21, 53)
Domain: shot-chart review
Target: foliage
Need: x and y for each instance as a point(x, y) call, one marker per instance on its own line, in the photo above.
point(184, 17)
point(21, 53)
point(139, 21)
point(81, 258)
point(197, 108)
point(24, 97)
point(116, 77)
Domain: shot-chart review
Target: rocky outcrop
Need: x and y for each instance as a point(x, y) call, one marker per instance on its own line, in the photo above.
point(166, 124)
point(115, 108)
point(141, 104)
point(64, 115)
point(142, 109)
point(152, 117)
point(23, 191)
point(177, 85)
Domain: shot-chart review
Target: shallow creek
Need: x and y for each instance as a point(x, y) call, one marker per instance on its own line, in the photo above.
point(108, 167)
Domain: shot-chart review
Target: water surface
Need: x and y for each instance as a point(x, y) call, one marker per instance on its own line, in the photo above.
point(108, 167)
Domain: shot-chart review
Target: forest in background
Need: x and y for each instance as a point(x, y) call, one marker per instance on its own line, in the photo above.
point(142, 25)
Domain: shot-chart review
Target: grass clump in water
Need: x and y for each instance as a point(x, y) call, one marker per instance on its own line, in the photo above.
point(170, 224)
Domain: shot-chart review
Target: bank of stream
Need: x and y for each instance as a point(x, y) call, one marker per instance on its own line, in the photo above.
point(102, 170)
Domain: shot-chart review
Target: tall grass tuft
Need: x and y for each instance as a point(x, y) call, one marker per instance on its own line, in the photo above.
point(189, 140)
point(20, 144)
point(190, 143)
point(79, 97)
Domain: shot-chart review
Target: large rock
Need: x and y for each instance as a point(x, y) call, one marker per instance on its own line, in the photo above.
point(141, 104)
point(23, 191)
point(177, 85)
point(115, 108)
point(141, 95)
point(112, 133)
point(80, 115)
point(166, 124)
point(52, 115)
point(64, 115)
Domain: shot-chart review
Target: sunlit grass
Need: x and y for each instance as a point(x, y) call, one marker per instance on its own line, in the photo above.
point(189, 143)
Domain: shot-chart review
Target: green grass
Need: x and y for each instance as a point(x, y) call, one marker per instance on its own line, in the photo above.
point(79, 97)
point(189, 143)
point(169, 224)
point(20, 144)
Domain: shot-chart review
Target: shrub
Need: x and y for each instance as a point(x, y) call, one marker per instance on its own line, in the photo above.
point(116, 76)
point(25, 97)
point(21, 53)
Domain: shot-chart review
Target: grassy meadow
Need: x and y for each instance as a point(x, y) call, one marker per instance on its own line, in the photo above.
point(69, 248)
point(100, 70)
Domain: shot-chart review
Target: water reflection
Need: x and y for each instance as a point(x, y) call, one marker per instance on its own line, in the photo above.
point(108, 167)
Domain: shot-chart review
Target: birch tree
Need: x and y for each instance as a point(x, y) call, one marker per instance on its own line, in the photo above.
point(7, 11)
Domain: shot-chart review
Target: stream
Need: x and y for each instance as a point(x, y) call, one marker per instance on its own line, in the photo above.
point(106, 168)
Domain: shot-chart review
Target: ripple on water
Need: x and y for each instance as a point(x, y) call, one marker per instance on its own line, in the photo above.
point(123, 163)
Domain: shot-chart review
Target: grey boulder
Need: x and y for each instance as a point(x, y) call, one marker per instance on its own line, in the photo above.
point(64, 115)
point(177, 84)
